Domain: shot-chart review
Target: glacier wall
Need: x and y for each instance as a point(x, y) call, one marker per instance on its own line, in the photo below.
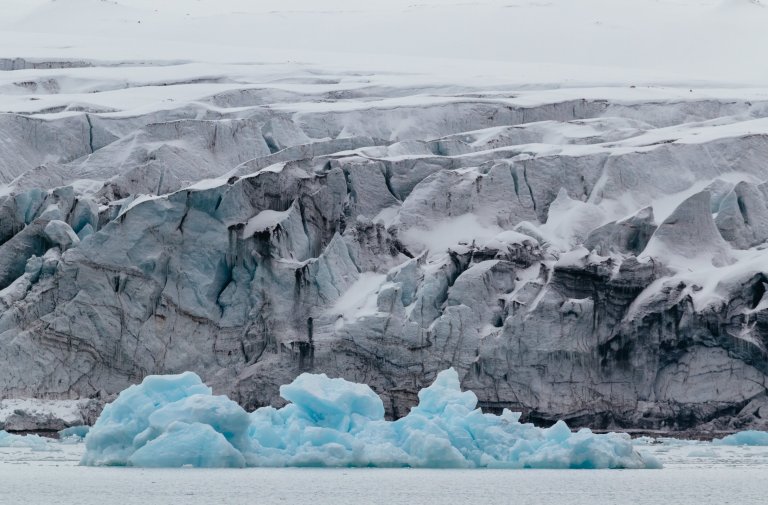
point(592, 255)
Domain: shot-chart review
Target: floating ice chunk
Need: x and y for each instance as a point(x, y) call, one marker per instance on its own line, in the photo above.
point(188, 444)
point(749, 437)
point(175, 421)
point(666, 441)
point(146, 427)
point(8, 439)
point(74, 432)
point(33, 442)
point(111, 439)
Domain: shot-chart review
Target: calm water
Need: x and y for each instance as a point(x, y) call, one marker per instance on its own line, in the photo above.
point(693, 475)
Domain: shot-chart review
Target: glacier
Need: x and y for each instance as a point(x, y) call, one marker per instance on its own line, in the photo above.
point(548, 254)
point(175, 421)
point(579, 240)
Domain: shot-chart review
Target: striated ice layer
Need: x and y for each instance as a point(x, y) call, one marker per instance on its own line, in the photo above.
point(174, 420)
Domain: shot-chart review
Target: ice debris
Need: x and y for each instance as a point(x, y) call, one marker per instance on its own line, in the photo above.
point(174, 420)
point(749, 437)
point(33, 442)
point(74, 433)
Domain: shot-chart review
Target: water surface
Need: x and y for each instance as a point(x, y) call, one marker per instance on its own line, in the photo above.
point(694, 474)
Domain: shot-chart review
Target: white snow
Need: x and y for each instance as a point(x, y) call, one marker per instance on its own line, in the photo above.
point(215, 182)
point(264, 220)
point(598, 40)
point(450, 232)
point(138, 200)
point(275, 168)
point(360, 299)
point(508, 237)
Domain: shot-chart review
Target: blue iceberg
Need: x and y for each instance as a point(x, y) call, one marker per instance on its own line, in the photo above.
point(749, 437)
point(174, 421)
point(75, 433)
point(188, 444)
point(32, 442)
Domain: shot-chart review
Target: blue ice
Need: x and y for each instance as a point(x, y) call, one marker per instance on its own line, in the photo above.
point(174, 420)
point(33, 442)
point(749, 437)
point(74, 432)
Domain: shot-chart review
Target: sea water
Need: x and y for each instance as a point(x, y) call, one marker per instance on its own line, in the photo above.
point(693, 474)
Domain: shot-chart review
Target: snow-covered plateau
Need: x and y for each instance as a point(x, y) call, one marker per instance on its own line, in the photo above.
point(566, 202)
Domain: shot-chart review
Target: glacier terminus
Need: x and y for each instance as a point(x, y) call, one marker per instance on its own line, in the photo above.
point(560, 208)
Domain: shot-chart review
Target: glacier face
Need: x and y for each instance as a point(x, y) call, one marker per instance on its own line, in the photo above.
point(593, 255)
point(174, 421)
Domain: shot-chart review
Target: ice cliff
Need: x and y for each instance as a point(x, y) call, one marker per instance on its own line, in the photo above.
point(174, 421)
point(595, 255)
